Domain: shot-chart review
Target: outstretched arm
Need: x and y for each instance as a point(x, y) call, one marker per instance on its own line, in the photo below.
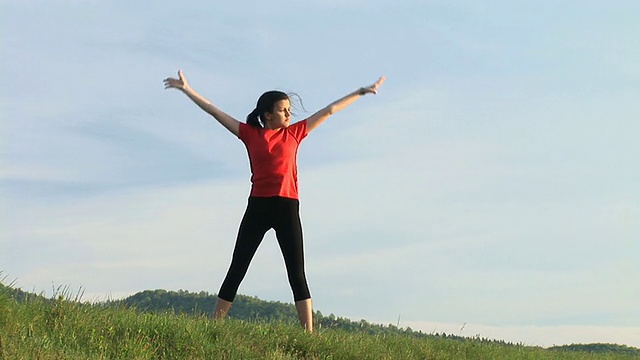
point(319, 117)
point(181, 84)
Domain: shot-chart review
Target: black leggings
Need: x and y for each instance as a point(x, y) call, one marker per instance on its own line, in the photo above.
point(262, 214)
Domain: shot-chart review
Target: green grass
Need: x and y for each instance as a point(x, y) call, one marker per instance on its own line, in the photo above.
point(38, 328)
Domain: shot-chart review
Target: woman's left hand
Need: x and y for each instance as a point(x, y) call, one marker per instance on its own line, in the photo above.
point(372, 89)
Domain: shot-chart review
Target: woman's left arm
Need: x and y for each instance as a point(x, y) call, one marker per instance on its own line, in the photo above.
point(319, 117)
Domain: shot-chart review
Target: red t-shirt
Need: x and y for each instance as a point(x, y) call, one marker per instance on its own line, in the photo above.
point(272, 157)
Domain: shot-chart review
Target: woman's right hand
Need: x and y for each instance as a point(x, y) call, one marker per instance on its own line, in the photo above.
point(180, 83)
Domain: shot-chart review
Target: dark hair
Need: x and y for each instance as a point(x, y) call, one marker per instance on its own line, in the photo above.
point(265, 104)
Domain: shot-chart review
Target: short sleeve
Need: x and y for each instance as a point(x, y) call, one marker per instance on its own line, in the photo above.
point(244, 131)
point(241, 130)
point(299, 130)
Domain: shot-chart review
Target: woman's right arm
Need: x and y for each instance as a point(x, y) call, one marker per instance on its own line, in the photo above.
point(181, 83)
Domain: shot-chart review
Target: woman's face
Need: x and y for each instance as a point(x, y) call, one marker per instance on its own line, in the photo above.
point(280, 117)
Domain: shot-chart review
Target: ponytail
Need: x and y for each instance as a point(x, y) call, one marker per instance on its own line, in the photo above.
point(252, 118)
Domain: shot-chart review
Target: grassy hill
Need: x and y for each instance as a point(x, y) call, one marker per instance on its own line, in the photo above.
point(252, 309)
point(32, 327)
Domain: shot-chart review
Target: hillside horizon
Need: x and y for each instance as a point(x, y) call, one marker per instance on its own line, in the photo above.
point(252, 308)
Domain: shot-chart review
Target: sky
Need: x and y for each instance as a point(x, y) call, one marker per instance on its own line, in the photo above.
point(490, 189)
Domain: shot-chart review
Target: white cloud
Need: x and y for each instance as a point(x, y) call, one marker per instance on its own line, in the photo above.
point(158, 229)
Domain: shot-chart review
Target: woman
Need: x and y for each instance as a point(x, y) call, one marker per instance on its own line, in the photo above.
point(272, 145)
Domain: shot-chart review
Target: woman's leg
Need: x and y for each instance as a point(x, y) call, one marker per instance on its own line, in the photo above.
point(250, 235)
point(305, 314)
point(289, 233)
point(222, 308)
